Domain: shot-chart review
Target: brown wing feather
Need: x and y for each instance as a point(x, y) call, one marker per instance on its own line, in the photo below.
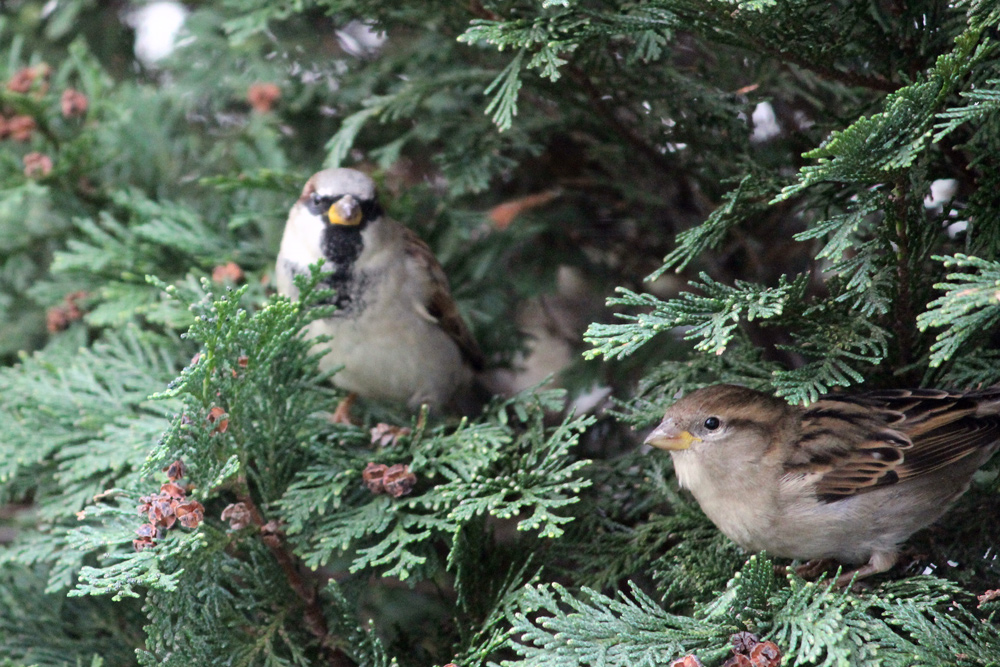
point(857, 443)
point(440, 303)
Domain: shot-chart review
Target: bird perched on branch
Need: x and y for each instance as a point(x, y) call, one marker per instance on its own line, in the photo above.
point(396, 331)
point(849, 477)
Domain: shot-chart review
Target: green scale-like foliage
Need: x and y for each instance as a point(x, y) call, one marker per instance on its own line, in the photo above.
point(878, 254)
point(279, 453)
point(816, 625)
point(796, 259)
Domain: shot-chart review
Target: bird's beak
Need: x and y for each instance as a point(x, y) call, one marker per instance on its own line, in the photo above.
point(669, 436)
point(345, 211)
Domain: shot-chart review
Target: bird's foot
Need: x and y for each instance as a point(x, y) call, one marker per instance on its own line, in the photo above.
point(879, 562)
point(342, 415)
point(812, 569)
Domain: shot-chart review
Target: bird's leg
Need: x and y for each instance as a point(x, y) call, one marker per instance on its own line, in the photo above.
point(342, 415)
point(879, 562)
point(812, 569)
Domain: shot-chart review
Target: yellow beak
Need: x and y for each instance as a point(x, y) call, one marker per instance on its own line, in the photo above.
point(345, 211)
point(670, 437)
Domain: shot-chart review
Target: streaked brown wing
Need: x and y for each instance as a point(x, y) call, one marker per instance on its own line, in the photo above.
point(851, 445)
point(440, 303)
point(857, 443)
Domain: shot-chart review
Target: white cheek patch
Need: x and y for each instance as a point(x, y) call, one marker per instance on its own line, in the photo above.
point(688, 473)
point(302, 241)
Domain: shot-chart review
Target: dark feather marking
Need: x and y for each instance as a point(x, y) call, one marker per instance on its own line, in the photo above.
point(854, 419)
point(341, 246)
point(904, 434)
point(816, 435)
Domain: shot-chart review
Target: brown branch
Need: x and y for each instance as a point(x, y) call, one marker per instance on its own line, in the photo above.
point(315, 620)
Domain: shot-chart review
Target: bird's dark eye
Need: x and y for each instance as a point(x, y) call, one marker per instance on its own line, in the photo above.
point(712, 423)
point(318, 204)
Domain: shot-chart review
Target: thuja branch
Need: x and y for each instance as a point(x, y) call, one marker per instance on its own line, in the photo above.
point(272, 537)
point(845, 77)
point(904, 310)
point(745, 38)
point(598, 104)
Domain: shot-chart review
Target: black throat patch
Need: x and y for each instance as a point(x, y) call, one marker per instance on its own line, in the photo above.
point(342, 245)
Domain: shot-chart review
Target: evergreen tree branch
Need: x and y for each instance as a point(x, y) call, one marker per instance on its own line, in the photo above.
point(657, 108)
point(847, 78)
point(272, 537)
point(969, 307)
point(903, 306)
point(740, 28)
point(631, 137)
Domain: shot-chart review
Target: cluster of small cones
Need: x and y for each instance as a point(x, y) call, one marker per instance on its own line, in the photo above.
point(167, 508)
point(748, 651)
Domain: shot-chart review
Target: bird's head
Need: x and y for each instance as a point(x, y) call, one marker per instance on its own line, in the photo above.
point(722, 423)
point(343, 197)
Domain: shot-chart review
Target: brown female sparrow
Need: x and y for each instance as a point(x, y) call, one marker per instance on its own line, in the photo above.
point(396, 331)
point(847, 478)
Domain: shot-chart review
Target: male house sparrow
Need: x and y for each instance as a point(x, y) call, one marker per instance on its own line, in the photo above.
point(848, 477)
point(396, 331)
